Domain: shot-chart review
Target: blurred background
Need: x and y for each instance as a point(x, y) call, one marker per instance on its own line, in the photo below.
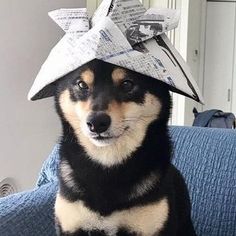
point(205, 38)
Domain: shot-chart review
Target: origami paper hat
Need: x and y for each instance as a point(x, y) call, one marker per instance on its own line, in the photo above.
point(121, 32)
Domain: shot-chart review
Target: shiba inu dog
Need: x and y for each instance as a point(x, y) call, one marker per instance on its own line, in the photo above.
point(115, 173)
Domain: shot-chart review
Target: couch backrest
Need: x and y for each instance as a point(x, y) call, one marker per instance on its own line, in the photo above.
point(207, 159)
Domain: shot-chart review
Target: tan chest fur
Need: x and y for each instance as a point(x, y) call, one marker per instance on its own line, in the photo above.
point(146, 220)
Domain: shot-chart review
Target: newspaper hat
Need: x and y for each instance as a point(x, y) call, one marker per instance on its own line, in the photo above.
point(123, 33)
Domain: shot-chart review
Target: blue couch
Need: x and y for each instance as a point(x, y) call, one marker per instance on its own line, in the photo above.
point(206, 157)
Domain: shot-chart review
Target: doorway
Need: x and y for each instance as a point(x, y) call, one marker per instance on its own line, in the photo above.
point(219, 75)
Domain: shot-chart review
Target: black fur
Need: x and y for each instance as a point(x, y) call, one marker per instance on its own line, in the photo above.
point(104, 189)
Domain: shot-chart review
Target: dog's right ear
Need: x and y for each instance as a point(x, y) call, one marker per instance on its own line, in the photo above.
point(48, 91)
point(51, 89)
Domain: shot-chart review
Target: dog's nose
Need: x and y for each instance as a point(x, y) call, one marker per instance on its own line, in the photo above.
point(99, 122)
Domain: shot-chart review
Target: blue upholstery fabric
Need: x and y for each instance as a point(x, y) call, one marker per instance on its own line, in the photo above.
point(206, 158)
point(31, 213)
point(49, 170)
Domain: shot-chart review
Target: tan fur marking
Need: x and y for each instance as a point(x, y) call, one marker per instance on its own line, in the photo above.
point(118, 74)
point(135, 116)
point(144, 186)
point(115, 111)
point(88, 77)
point(145, 220)
point(70, 109)
point(66, 173)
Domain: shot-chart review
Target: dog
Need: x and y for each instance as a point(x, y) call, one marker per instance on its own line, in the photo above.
point(115, 171)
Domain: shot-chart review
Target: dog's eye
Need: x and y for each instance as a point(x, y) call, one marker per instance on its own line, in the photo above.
point(82, 85)
point(127, 85)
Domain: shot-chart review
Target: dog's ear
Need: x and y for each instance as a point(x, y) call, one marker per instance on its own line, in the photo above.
point(52, 89)
point(48, 91)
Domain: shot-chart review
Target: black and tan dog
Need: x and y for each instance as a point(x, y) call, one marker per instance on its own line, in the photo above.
point(115, 172)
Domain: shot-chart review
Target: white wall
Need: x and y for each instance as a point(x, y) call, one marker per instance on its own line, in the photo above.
point(28, 129)
point(233, 107)
point(193, 60)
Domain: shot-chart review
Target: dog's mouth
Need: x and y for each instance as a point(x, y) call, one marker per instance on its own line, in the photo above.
point(107, 138)
point(101, 138)
point(102, 141)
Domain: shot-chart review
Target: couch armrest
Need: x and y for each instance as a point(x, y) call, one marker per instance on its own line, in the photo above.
point(29, 213)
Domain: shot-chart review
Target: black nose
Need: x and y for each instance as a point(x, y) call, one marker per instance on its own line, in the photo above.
point(99, 122)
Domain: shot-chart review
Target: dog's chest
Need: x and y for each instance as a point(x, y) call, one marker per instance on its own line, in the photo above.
point(145, 220)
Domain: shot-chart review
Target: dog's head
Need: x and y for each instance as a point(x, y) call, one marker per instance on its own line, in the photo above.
point(110, 108)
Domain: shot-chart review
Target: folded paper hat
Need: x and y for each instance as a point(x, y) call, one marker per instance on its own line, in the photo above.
point(123, 33)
